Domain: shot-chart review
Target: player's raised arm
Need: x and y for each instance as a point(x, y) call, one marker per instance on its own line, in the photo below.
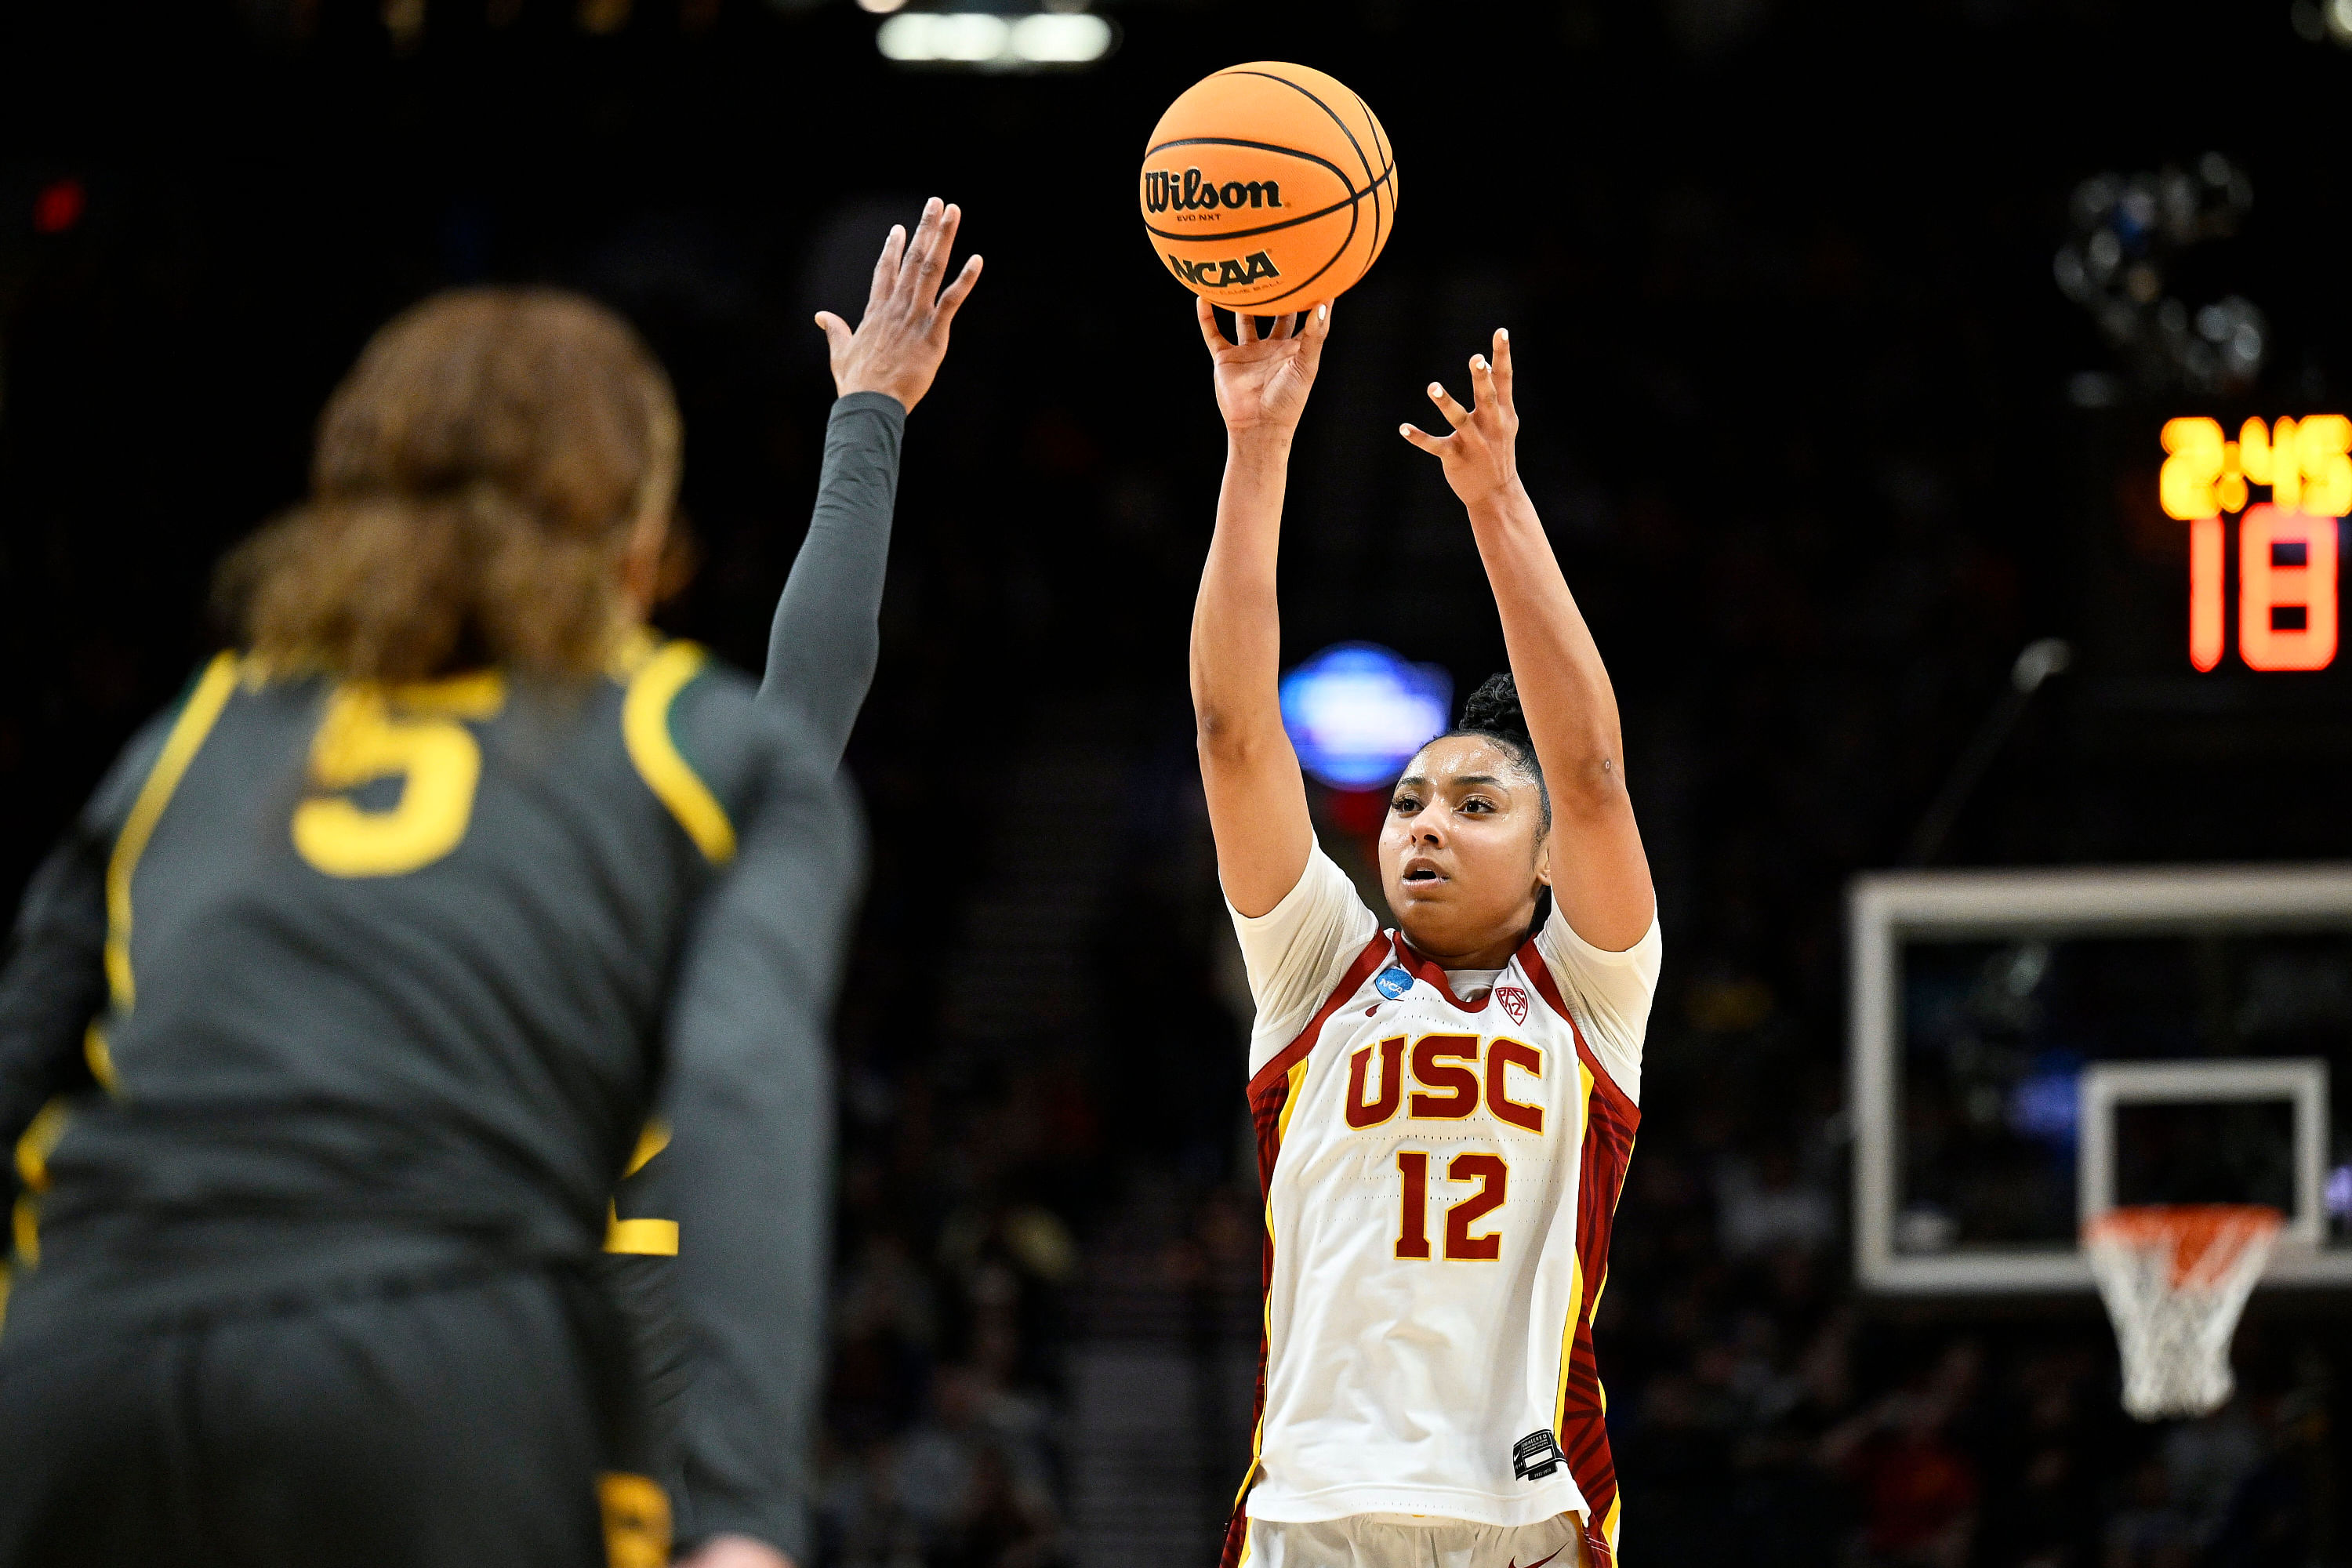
point(825, 640)
point(1257, 802)
point(1599, 873)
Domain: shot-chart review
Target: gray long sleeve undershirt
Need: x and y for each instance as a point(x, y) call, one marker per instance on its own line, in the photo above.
point(756, 1306)
point(827, 638)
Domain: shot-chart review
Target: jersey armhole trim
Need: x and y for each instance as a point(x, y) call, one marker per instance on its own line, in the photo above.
point(1279, 1064)
point(645, 731)
point(1549, 989)
point(197, 715)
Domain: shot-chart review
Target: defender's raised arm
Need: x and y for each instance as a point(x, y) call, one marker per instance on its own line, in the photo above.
point(826, 639)
point(1257, 802)
point(1599, 873)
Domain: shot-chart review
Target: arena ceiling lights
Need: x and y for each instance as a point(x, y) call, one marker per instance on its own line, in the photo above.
point(991, 41)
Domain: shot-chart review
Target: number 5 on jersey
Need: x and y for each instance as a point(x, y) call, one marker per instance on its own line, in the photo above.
point(1493, 1176)
point(415, 737)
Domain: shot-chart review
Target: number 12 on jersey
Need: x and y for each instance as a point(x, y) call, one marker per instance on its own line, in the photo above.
point(1493, 1176)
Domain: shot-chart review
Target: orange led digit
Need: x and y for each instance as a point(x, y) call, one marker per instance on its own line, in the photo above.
point(2286, 606)
point(2205, 632)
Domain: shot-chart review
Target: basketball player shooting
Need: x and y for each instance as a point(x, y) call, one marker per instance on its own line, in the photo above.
point(1443, 1110)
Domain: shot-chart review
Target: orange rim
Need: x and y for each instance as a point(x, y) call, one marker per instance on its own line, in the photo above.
point(2203, 1237)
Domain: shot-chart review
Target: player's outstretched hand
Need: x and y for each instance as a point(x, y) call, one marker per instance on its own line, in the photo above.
point(903, 335)
point(1481, 457)
point(1263, 382)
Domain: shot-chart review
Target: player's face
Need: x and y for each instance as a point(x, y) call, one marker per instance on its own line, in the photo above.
point(1462, 851)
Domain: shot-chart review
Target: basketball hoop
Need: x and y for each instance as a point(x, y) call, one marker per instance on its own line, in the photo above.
point(2175, 1277)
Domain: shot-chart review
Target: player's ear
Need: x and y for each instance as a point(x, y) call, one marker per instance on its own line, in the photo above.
point(641, 560)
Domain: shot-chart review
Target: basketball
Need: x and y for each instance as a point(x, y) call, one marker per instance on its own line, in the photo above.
point(1268, 188)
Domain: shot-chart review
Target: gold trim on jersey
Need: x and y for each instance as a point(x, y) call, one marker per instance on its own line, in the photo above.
point(1577, 1307)
point(1298, 1076)
point(641, 1237)
point(101, 1060)
point(33, 1151)
point(644, 729)
point(188, 731)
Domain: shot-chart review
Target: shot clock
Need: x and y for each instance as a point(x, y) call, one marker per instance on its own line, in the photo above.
point(2287, 546)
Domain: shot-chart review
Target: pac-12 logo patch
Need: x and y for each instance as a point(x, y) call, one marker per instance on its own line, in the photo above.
point(1514, 1001)
point(1392, 983)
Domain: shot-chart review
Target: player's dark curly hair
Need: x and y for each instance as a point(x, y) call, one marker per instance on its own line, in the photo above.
point(1493, 713)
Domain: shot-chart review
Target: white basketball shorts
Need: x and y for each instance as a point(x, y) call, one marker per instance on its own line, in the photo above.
point(1373, 1541)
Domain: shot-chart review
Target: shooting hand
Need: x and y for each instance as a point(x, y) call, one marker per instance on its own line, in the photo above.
point(1262, 383)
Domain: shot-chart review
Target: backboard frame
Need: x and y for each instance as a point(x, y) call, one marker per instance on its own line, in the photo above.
point(1886, 908)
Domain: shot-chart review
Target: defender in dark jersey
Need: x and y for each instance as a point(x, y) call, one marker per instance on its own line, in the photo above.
point(331, 1024)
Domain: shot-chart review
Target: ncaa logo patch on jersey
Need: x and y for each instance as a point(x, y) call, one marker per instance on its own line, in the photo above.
point(1514, 1001)
point(1393, 982)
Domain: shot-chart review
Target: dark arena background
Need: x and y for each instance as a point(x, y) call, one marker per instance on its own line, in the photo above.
point(1846, 334)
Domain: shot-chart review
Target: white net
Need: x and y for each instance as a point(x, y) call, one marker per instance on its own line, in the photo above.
point(2174, 1277)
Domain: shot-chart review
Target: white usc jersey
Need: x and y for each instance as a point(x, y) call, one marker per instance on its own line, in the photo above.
point(1440, 1175)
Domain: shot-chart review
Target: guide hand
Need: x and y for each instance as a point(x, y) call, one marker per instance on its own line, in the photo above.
point(903, 335)
point(1481, 457)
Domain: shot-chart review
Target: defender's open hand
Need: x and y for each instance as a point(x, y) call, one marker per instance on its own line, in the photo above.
point(1481, 457)
point(1262, 383)
point(903, 335)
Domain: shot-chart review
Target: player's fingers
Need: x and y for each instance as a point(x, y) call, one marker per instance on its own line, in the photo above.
point(1207, 315)
point(1316, 327)
point(1282, 326)
point(1432, 444)
point(923, 251)
point(957, 293)
point(836, 331)
point(885, 266)
point(1482, 394)
point(951, 219)
point(1245, 327)
point(1503, 363)
point(1455, 414)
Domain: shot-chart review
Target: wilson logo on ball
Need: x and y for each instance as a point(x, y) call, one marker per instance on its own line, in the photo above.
point(1189, 193)
point(1227, 273)
point(1268, 187)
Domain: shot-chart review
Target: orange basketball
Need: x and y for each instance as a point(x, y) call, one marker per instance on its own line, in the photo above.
point(1268, 187)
